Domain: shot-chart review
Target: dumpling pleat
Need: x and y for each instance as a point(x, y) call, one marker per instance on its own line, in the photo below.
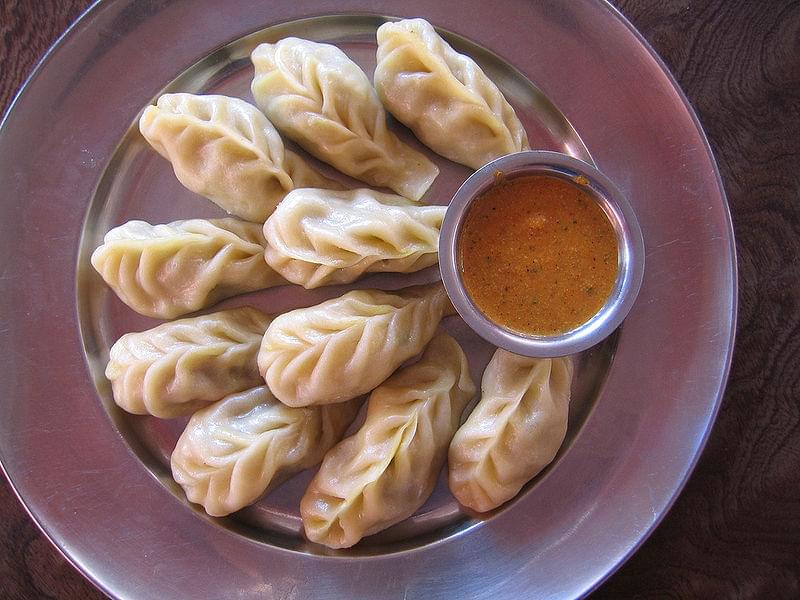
point(345, 347)
point(320, 237)
point(514, 432)
point(178, 367)
point(168, 270)
point(234, 451)
point(318, 97)
point(444, 97)
point(386, 470)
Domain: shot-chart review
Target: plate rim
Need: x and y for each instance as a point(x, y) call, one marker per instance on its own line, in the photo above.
point(720, 392)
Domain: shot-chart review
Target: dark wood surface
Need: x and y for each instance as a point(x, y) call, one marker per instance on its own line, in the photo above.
point(735, 530)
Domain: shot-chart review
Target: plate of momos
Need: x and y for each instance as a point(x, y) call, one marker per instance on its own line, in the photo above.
point(306, 373)
point(232, 368)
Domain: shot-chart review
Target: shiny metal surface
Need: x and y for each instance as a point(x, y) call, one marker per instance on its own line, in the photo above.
point(629, 242)
point(94, 478)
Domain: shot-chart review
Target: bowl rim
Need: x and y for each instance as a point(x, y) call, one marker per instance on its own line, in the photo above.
point(630, 245)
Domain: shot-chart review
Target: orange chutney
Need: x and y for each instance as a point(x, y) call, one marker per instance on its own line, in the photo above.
point(538, 255)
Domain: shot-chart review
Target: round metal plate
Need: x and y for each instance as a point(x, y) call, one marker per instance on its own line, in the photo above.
point(94, 478)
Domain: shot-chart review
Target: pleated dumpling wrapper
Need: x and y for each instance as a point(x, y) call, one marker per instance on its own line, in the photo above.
point(165, 271)
point(387, 470)
point(320, 237)
point(318, 97)
point(226, 150)
point(345, 347)
point(234, 451)
point(178, 367)
point(514, 432)
point(444, 97)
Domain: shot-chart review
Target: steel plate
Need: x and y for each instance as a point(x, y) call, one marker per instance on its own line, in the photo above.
point(95, 479)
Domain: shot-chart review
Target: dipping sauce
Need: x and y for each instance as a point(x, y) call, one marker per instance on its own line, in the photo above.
point(538, 255)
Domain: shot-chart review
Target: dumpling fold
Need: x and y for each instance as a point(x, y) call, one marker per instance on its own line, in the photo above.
point(345, 347)
point(444, 97)
point(225, 149)
point(168, 270)
point(178, 367)
point(387, 470)
point(515, 430)
point(235, 450)
point(318, 97)
point(321, 237)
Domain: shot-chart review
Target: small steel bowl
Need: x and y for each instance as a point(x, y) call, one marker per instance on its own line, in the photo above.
point(630, 246)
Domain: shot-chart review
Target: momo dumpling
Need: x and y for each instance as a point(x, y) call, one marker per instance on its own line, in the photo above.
point(444, 97)
point(178, 367)
point(385, 471)
point(165, 271)
point(226, 150)
point(232, 452)
point(345, 347)
point(320, 237)
point(514, 432)
point(318, 97)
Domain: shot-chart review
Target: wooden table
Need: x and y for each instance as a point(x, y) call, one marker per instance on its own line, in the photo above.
point(735, 530)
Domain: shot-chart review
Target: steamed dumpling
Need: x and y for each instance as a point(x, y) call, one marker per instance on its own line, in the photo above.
point(232, 452)
point(178, 367)
point(444, 97)
point(385, 471)
point(226, 150)
point(164, 271)
point(319, 237)
point(514, 432)
point(345, 347)
point(317, 96)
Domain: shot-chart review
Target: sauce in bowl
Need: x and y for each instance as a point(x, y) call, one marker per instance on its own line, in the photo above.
point(538, 255)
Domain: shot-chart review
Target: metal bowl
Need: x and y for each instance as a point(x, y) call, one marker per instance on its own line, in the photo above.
point(630, 246)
